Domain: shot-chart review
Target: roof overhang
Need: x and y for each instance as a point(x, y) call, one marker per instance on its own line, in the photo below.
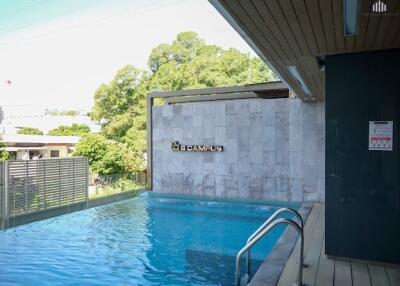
point(39, 139)
point(16, 149)
point(293, 37)
point(260, 90)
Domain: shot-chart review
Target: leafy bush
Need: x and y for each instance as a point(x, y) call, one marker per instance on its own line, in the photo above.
point(73, 130)
point(30, 131)
point(4, 155)
point(105, 157)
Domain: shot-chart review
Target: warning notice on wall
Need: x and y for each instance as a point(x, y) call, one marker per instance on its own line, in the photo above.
point(381, 135)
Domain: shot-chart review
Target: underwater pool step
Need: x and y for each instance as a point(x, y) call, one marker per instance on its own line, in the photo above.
point(218, 268)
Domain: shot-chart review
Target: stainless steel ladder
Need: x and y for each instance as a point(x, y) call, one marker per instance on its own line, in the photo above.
point(266, 227)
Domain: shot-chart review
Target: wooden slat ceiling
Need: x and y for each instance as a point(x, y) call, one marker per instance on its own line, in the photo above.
point(296, 32)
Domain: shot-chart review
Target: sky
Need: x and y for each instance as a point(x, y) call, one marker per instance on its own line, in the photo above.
point(56, 53)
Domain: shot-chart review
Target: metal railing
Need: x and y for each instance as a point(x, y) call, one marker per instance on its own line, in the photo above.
point(37, 185)
point(264, 225)
point(263, 230)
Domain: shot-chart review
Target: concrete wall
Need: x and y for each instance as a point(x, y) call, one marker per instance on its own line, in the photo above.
point(273, 149)
point(62, 149)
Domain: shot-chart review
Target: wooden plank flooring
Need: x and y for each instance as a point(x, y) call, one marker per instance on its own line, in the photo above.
point(321, 271)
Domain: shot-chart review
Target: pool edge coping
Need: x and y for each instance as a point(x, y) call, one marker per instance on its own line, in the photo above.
point(273, 265)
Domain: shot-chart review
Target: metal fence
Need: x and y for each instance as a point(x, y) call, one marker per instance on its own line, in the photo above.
point(37, 185)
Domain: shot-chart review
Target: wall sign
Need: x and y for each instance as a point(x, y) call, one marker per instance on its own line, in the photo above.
point(176, 146)
point(381, 135)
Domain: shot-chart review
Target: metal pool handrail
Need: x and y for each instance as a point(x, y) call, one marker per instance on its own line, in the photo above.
point(264, 225)
point(260, 235)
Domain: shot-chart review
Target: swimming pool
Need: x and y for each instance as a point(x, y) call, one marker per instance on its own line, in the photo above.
point(148, 240)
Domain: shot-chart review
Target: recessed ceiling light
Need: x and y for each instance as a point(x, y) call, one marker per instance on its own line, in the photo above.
point(350, 15)
point(295, 73)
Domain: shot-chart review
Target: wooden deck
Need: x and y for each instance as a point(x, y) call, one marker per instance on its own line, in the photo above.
point(322, 271)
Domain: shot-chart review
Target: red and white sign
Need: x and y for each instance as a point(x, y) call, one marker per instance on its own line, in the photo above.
point(381, 135)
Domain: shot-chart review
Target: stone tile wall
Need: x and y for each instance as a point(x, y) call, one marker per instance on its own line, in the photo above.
point(273, 149)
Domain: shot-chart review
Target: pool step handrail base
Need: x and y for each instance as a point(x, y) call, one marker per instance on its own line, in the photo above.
point(264, 225)
point(244, 280)
point(263, 230)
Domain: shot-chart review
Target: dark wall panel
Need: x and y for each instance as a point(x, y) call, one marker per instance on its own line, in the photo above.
point(362, 186)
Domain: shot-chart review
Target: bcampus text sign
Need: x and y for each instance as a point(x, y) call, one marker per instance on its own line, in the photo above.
point(176, 146)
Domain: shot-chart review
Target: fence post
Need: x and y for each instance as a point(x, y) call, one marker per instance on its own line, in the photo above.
point(73, 180)
point(27, 183)
point(6, 205)
point(87, 181)
point(59, 183)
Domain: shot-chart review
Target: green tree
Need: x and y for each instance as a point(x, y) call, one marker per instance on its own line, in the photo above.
point(72, 130)
point(118, 96)
point(30, 131)
point(118, 126)
point(127, 118)
point(56, 112)
point(190, 63)
point(105, 157)
point(4, 155)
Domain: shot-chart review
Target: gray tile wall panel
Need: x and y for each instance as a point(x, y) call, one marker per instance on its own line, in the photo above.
point(273, 149)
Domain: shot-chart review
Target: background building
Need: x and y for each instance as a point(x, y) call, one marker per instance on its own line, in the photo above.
point(29, 147)
point(15, 117)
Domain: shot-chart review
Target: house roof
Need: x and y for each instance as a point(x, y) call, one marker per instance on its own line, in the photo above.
point(39, 139)
point(16, 149)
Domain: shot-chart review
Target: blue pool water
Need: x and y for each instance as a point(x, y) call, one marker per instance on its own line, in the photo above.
point(148, 240)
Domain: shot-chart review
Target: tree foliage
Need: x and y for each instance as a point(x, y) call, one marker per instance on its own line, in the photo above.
point(55, 112)
point(30, 131)
point(72, 130)
point(119, 95)
point(188, 62)
point(107, 157)
point(4, 155)
point(104, 156)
